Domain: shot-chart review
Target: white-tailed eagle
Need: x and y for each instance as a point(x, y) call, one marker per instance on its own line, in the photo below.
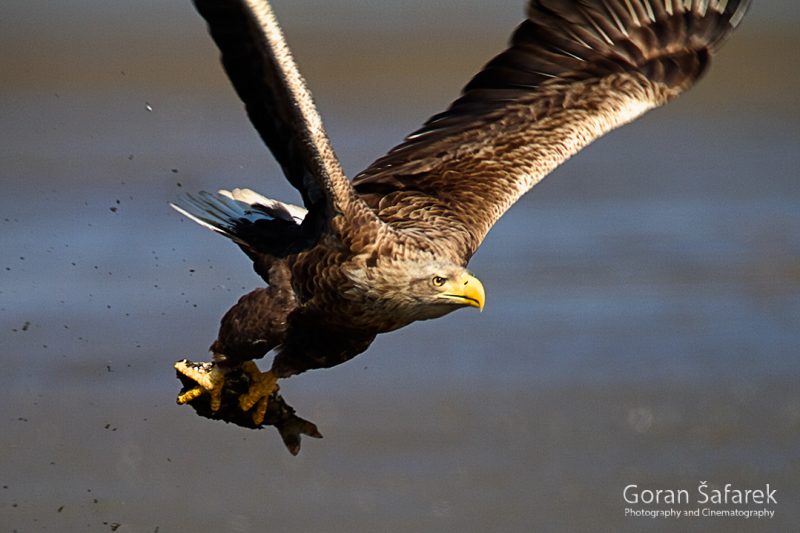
point(391, 247)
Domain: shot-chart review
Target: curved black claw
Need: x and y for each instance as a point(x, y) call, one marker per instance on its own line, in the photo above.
point(279, 414)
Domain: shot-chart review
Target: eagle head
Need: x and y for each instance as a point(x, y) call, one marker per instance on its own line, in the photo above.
point(451, 287)
point(438, 289)
point(423, 288)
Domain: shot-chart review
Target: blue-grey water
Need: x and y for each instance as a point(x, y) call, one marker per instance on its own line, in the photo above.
point(642, 324)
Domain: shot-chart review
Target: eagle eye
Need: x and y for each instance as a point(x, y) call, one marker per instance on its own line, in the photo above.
point(438, 281)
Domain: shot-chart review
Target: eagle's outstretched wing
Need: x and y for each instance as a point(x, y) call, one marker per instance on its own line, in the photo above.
point(260, 66)
point(574, 71)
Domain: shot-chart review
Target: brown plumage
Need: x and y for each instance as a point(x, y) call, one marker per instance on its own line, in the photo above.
point(392, 247)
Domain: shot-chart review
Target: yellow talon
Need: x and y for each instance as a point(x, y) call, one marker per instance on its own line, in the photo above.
point(262, 385)
point(210, 379)
point(260, 411)
point(190, 395)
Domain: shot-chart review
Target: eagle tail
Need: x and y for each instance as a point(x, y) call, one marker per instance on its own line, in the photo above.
point(253, 221)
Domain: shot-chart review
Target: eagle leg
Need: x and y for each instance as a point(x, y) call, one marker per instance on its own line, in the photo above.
point(209, 377)
point(262, 386)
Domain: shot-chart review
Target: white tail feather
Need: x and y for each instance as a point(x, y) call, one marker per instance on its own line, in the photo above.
point(254, 199)
point(223, 211)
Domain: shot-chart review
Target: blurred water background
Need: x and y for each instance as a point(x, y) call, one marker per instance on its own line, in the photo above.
point(643, 317)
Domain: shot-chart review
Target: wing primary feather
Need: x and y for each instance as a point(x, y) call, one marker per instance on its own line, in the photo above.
point(593, 23)
point(568, 53)
point(612, 14)
point(577, 38)
point(649, 8)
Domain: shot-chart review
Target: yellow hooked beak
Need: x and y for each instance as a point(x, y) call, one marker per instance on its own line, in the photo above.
point(466, 290)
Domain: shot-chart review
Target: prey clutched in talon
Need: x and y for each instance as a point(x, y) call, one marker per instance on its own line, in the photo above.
point(262, 386)
point(238, 380)
point(209, 377)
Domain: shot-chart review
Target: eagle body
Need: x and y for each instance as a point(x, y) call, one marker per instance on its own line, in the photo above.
point(325, 305)
point(392, 247)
